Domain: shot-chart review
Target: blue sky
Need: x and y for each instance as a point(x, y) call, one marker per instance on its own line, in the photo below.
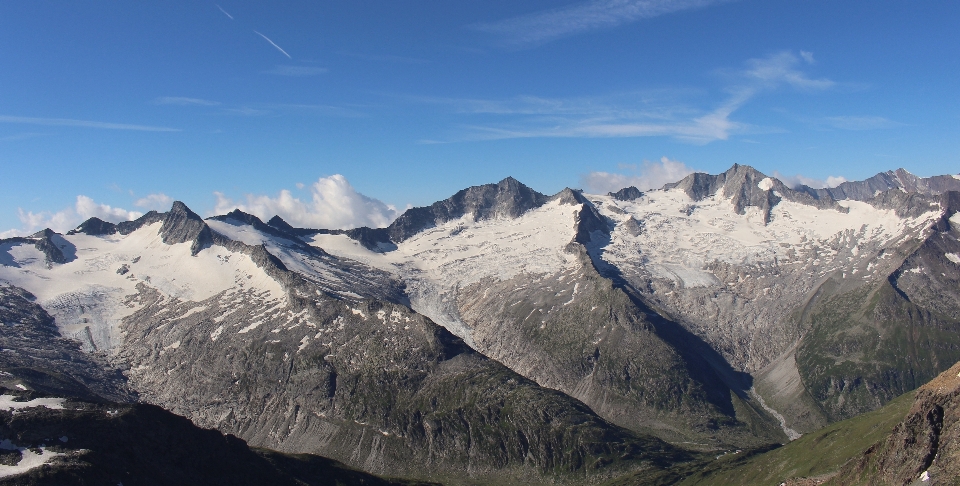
point(343, 113)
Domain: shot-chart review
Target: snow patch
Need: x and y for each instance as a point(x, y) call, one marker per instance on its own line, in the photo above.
point(216, 333)
point(7, 403)
point(766, 184)
point(953, 257)
point(29, 458)
point(86, 294)
point(252, 326)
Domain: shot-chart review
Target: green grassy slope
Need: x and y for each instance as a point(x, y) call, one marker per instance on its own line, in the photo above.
point(816, 454)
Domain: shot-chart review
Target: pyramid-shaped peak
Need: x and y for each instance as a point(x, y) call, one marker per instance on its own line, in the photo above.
point(280, 223)
point(44, 233)
point(179, 209)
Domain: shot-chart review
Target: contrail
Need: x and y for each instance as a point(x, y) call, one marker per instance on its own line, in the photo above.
point(274, 44)
point(225, 12)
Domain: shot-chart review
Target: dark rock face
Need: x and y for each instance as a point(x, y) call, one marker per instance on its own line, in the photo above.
point(886, 181)
point(181, 225)
point(627, 194)
point(741, 184)
point(95, 227)
point(107, 443)
point(34, 354)
point(922, 449)
point(508, 198)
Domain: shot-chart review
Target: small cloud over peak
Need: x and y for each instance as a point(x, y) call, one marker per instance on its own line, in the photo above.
point(649, 175)
point(158, 201)
point(69, 218)
point(795, 181)
point(333, 204)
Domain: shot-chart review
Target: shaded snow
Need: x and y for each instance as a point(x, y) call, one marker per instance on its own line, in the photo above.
point(86, 294)
point(681, 236)
point(437, 261)
point(7, 403)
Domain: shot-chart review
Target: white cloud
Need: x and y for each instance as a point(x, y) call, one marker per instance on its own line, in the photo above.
point(795, 180)
point(548, 25)
point(651, 175)
point(333, 204)
point(69, 218)
point(158, 201)
point(781, 68)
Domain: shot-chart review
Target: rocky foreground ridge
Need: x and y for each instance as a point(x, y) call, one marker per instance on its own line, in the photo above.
point(504, 335)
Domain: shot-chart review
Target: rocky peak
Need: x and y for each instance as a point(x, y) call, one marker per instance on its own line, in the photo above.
point(181, 225)
point(251, 220)
point(626, 194)
point(94, 227)
point(506, 199)
point(748, 187)
point(740, 183)
point(899, 179)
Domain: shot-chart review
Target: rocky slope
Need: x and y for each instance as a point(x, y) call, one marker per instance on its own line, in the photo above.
point(924, 448)
point(49, 440)
point(246, 329)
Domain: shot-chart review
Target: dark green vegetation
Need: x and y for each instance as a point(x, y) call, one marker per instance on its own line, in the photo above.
point(816, 454)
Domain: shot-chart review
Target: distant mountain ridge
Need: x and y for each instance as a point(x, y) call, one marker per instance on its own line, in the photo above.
point(508, 335)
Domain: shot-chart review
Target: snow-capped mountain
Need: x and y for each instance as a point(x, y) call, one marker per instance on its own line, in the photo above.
point(504, 333)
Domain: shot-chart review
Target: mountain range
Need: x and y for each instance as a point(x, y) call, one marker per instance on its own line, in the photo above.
point(499, 336)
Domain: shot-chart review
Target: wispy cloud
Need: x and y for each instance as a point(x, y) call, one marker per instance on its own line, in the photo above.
point(782, 68)
point(860, 122)
point(333, 204)
point(184, 101)
point(20, 136)
point(651, 114)
point(544, 26)
point(68, 122)
point(274, 44)
point(296, 71)
point(649, 175)
point(384, 58)
point(225, 12)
